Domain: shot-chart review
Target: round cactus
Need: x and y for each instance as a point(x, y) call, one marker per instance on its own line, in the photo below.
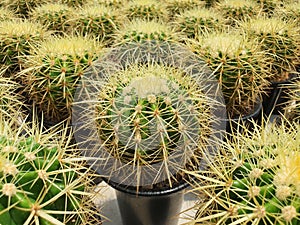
point(198, 21)
point(279, 40)
point(96, 20)
point(140, 30)
point(235, 10)
point(177, 6)
point(146, 9)
point(16, 39)
point(40, 183)
point(239, 66)
point(253, 180)
point(53, 70)
point(53, 15)
point(22, 7)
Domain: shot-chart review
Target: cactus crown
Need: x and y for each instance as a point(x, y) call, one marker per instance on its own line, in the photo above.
point(141, 30)
point(255, 179)
point(18, 28)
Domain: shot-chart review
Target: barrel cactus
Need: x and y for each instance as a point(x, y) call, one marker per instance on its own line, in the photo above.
point(22, 7)
point(238, 65)
point(53, 15)
point(53, 70)
point(177, 6)
point(289, 11)
point(253, 179)
point(40, 183)
point(96, 20)
point(235, 10)
point(268, 7)
point(6, 14)
point(199, 21)
point(140, 30)
point(72, 3)
point(280, 40)
point(108, 3)
point(147, 9)
point(17, 37)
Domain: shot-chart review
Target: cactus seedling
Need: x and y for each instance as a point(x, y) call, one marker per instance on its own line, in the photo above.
point(146, 9)
point(253, 179)
point(53, 71)
point(199, 21)
point(16, 39)
point(96, 20)
point(140, 30)
point(53, 15)
point(280, 40)
point(235, 10)
point(238, 65)
point(40, 183)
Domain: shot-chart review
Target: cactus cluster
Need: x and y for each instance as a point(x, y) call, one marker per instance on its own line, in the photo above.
point(17, 37)
point(139, 30)
point(52, 71)
point(146, 9)
point(238, 65)
point(40, 183)
point(53, 15)
point(235, 10)
point(279, 39)
point(96, 20)
point(199, 21)
point(254, 179)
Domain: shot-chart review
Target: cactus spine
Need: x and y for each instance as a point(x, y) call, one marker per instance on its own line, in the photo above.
point(255, 180)
point(53, 71)
point(40, 182)
point(6, 14)
point(176, 7)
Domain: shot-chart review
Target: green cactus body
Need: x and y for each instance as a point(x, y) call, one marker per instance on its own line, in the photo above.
point(146, 9)
point(261, 184)
point(279, 40)
point(54, 69)
point(238, 65)
point(17, 37)
point(96, 20)
point(140, 30)
point(147, 112)
point(178, 6)
point(22, 7)
point(235, 10)
point(39, 185)
point(199, 21)
point(53, 15)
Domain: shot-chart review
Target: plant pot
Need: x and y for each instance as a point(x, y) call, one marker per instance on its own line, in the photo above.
point(276, 96)
point(159, 207)
point(238, 123)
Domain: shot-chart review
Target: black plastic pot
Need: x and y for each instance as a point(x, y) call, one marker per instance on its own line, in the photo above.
point(237, 124)
point(149, 207)
point(276, 96)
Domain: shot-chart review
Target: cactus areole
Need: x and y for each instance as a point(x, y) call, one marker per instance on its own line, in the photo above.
point(147, 109)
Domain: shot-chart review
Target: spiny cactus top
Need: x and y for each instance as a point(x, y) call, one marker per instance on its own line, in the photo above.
point(40, 184)
point(255, 180)
point(17, 37)
point(238, 64)
point(140, 30)
point(177, 6)
point(53, 71)
point(279, 39)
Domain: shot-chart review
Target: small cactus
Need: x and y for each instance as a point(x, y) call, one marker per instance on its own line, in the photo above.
point(22, 7)
point(234, 10)
point(53, 70)
point(279, 39)
point(53, 16)
point(140, 30)
point(238, 65)
point(146, 9)
point(40, 183)
point(17, 37)
point(96, 20)
point(254, 179)
point(199, 21)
